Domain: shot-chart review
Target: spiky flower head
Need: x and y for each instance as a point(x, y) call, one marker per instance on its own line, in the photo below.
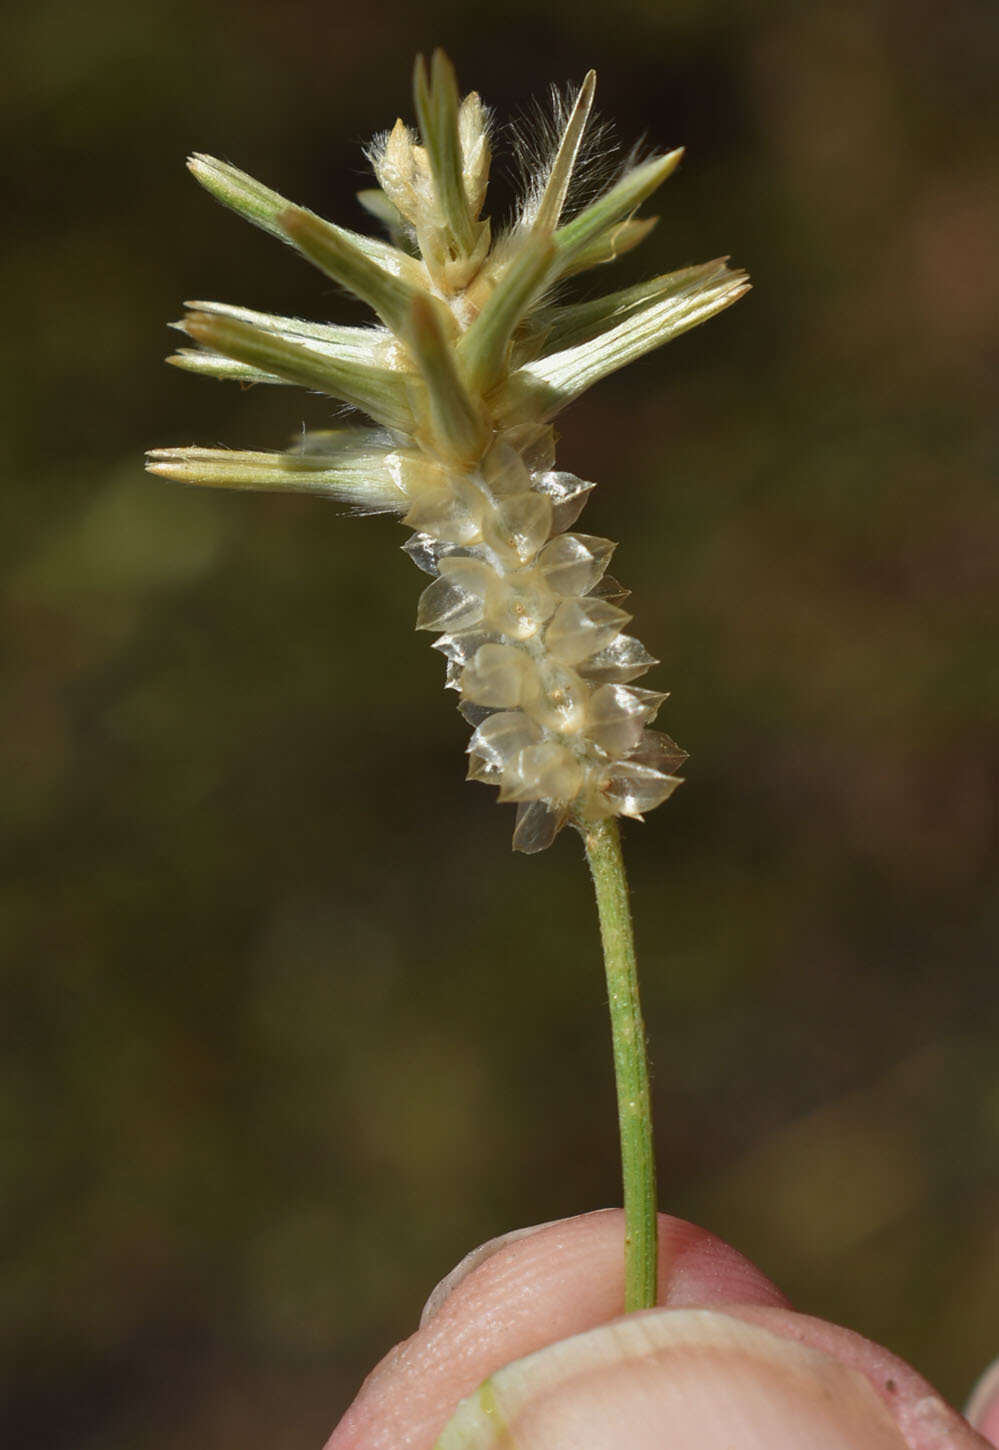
point(473, 354)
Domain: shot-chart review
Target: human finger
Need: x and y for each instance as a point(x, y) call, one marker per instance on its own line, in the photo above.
point(519, 1293)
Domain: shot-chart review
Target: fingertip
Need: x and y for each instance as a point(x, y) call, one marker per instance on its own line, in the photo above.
point(582, 1259)
point(698, 1270)
point(522, 1292)
point(442, 1291)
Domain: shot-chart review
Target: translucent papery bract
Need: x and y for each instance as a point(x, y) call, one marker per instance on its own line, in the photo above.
point(505, 471)
point(617, 717)
point(631, 789)
point(558, 699)
point(496, 676)
point(573, 563)
point(535, 443)
point(583, 626)
point(624, 658)
point(520, 610)
point(519, 526)
point(537, 825)
point(475, 715)
point(426, 552)
point(456, 600)
point(462, 647)
point(452, 512)
point(658, 751)
point(500, 739)
point(549, 772)
point(568, 495)
point(609, 588)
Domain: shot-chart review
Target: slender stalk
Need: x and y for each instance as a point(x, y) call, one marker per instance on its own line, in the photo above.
point(631, 1067)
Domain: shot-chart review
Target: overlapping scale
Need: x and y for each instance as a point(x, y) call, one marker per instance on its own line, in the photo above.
point(427, 552)
point(574, 563)
point(496, 676)
point(658, 751)
point(519, 525)
point(537, 825)
point(631, 790)
point(568, 495)
point(616, 718)
point(462, 647)
point(521, 609)
point(453, 513)
point(504, 471)
point(610, 588)
point(535, 442)
point(547, 771)
point(624, 658)
point(474, 715)
point(456, 600)
point(499, 740)
point(581, 627)
point(558, 699)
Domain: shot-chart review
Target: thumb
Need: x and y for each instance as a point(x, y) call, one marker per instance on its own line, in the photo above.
point(678, 1379)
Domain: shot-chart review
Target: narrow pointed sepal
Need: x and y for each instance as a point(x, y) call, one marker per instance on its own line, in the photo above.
point(334, 251)
point(484, 347)
point(252, 200)
point(541, 388)
point(381, 392)
point(544, 217)
point(437, 109)
point(349, 344)
point(353, 474)
point(224, 369)
point(366, 345)
point(460, 425)
point(566, 324)
point(602, 216)
point(610, 245)
point(263, 207)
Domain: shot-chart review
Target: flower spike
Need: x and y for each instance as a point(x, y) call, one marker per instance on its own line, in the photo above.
point(469, 360)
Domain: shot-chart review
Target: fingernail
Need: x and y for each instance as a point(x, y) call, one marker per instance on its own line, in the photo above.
point(673, 1379)
point(471, 1261)
point(983, 1407)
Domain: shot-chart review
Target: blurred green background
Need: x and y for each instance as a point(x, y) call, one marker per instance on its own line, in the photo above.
point(290, 1028)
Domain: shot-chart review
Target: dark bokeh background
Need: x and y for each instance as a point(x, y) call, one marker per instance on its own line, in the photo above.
point(290, 1027)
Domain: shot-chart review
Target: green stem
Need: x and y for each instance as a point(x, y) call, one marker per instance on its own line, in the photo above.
point(631, 1067)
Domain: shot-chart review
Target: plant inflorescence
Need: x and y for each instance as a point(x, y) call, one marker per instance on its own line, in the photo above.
point(473, 354)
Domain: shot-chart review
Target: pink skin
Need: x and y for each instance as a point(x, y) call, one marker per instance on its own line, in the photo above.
point(529, 1290)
